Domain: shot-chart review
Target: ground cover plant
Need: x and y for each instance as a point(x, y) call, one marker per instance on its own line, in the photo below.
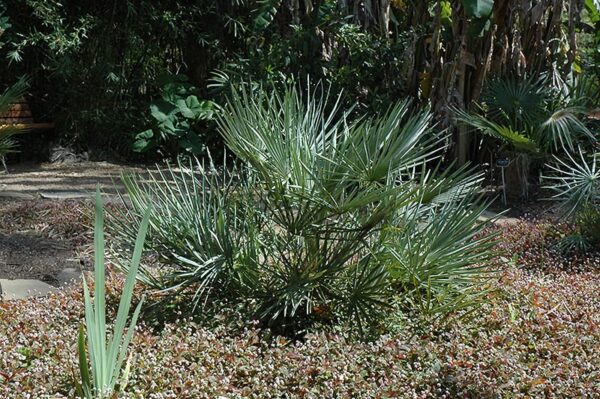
point(537, 245)
point(325, 216)
point(536, 336)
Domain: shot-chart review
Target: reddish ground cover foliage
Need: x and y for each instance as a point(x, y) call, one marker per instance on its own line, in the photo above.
point(537, 336)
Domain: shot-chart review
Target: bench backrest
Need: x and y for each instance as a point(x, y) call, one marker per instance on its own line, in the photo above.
point(18, 113)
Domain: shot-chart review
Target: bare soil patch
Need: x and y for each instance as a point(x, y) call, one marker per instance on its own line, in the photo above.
point(40, 237)
point(32, 256)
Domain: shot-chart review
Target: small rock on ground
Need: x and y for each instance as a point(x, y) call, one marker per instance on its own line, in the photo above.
point(21, 289)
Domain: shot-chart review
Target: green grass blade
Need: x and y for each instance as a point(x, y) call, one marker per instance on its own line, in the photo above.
point(83, 365)
point(100, 287)
point(125, 303)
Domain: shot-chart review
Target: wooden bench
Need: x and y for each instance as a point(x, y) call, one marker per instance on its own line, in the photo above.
point(20, 117)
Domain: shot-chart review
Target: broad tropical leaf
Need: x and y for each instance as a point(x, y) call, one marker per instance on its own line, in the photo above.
point(519, 141)
point(478, 8)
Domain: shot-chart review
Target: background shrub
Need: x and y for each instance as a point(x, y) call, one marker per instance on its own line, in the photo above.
point(176, 119)
point(95, 65)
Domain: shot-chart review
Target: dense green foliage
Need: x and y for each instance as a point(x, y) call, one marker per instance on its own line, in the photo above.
point(533, 116)
point(176, 117)
point(327, 216)
point(535, 119)
point(574, 181)
point(97, 66)
point(323, 209)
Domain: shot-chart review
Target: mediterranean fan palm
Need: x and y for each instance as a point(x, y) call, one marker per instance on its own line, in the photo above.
point(532, 118)
point(303, 227)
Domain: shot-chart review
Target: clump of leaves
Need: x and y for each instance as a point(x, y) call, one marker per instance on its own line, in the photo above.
point(176, 117)
point(106, 355)
point(575, 182)
point(314, 221)
point(531, 115)
point(533, 118)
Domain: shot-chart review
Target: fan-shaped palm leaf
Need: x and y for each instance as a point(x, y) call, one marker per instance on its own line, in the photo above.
point(575, 181)
point(517, 103)
point(13, 93)
point(563, 127)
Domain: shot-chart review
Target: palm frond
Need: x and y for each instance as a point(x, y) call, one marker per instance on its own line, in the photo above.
point(574, 181)
point(519, 141)
point(519, 103)
point(564, 128)
point(13, 93)
point(7, 145)
point(582, 92)
point(196, 223)
point(435, 251)
point(7, 98)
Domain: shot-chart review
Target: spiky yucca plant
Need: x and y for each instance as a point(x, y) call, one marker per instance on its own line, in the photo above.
point(107, 354)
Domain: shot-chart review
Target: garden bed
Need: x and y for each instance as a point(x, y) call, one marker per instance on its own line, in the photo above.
point(536, 335)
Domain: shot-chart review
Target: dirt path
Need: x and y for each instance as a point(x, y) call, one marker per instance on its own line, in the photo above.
point(32, 181)
point(45, 216)
point(41, 239)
